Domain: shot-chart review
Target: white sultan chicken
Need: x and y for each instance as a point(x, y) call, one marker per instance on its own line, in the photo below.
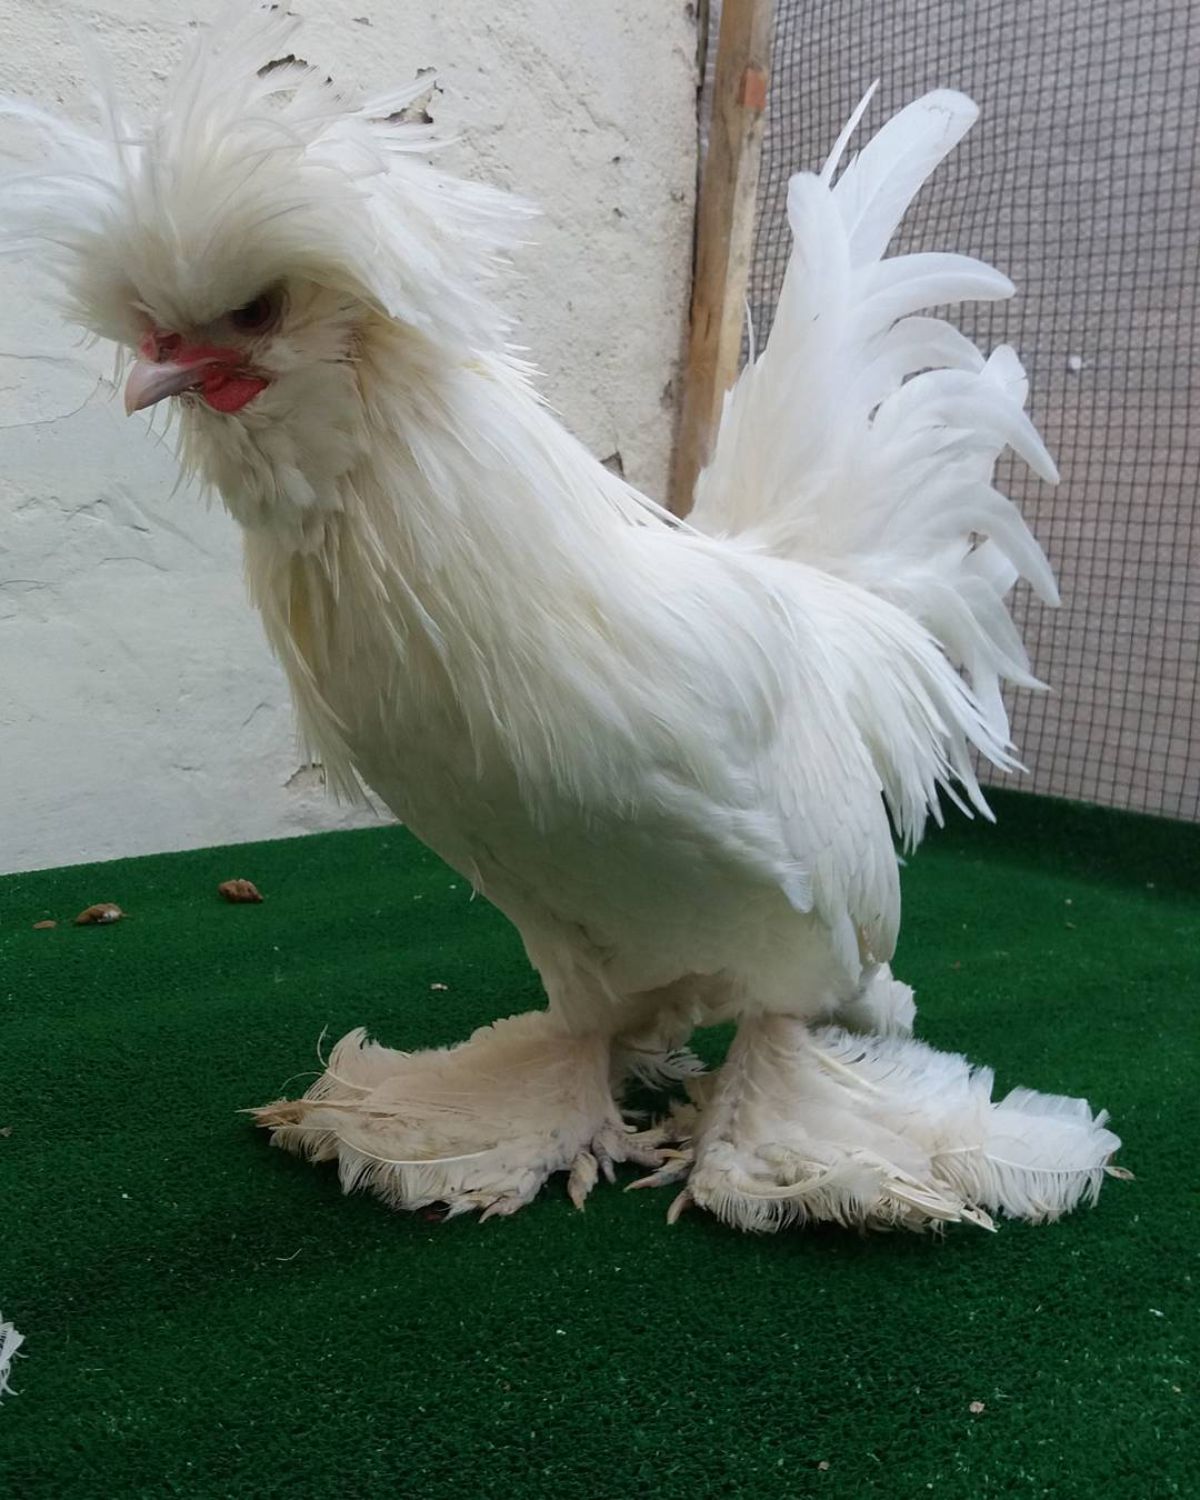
point(675, 755)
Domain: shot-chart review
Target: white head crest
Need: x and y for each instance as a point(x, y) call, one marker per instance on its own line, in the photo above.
point(255, 167)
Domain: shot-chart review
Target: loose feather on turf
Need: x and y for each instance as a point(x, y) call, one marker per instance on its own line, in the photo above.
point(10, 1342)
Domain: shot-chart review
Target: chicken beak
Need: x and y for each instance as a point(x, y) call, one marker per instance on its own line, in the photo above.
point(152, 380)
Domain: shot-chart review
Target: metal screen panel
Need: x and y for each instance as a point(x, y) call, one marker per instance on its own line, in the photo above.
point(1080, 183)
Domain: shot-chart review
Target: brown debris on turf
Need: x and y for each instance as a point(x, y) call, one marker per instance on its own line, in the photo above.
point(239, 890)
point(99, 915)
point(44, 926)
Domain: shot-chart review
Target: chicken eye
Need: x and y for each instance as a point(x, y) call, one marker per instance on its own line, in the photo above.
point(257, 314)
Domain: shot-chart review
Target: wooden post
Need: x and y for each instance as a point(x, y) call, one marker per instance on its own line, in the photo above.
point(724, 235)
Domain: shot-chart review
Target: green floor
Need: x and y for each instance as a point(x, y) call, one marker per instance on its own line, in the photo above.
point(207, 1317)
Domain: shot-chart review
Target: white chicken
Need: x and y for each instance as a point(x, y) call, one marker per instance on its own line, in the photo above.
point(674, 755)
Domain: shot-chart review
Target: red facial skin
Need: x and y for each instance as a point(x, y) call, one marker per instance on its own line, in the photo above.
point(224, 383)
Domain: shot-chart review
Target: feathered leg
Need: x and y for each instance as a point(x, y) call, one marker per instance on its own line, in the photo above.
point(822, 1124)
point(881, 1005)
point(477, 1126)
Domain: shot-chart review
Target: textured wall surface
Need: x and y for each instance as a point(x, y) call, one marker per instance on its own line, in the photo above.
point(139, 708)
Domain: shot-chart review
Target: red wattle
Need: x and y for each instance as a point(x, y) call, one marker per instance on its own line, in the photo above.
point(228, 391)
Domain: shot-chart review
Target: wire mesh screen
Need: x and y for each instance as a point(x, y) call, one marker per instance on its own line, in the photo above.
point(1078, 182)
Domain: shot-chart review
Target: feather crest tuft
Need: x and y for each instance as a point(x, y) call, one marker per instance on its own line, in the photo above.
point(254, 166)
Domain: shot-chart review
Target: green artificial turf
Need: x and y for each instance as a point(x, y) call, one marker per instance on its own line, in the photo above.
point(205, 1316)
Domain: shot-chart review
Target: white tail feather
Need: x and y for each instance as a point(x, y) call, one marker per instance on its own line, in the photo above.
point(877, 188)
point(863, 439)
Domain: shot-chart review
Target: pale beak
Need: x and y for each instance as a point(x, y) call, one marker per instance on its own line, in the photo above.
point(152, 380)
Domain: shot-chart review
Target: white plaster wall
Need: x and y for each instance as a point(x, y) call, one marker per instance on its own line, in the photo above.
point(139, 708)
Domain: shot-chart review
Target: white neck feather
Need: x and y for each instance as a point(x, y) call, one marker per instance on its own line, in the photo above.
point(457, 576)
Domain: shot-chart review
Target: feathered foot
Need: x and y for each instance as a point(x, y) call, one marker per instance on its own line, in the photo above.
point(480, 1126)
point(882, 1132)
point(674, 1135)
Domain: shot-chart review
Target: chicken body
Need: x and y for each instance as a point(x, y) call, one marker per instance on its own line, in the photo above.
point(667, 752)
point(542, 732)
